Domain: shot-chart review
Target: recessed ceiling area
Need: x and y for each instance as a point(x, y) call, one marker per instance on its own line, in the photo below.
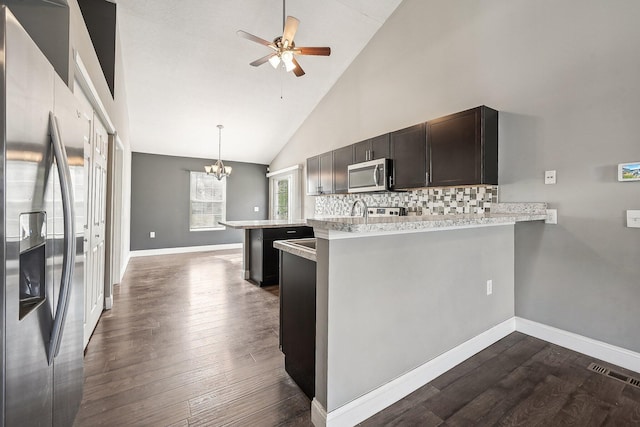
point(186, 71)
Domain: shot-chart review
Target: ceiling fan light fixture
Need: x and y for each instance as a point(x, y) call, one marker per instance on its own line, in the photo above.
point(287, 56)
point(289, 66)
point(274, 61)
point(285, 47)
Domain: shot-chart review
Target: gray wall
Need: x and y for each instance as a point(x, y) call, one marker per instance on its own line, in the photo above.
point(393, 303)
point(160, 201)
point(564, 76)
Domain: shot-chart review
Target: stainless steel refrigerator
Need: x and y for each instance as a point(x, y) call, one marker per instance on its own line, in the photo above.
point(42, 189)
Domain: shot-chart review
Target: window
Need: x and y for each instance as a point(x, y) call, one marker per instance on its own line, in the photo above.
point(281, 198)
point(284, 197)
point(207, 203)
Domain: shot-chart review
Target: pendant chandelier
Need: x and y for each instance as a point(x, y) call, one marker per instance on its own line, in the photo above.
point(218, 169)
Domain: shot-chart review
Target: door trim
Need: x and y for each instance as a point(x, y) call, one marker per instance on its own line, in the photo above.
point(90, 91)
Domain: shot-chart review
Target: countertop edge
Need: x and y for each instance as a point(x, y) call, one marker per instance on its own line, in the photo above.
point(358, 228)
point(264, 223)
point(286, 246)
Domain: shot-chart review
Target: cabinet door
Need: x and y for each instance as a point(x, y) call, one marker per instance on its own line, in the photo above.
point(380, 148)
point(298, 319)
point(326, 173)
point(361, 151)
point(313, 175)
point(463, 148)
point(342, 158)
point(408, 151)
point(255, 259)
point(454, 149)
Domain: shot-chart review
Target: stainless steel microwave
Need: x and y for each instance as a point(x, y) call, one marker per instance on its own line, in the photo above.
point(374, 175)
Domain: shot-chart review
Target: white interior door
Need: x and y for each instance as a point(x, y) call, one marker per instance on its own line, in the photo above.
point(97, 202)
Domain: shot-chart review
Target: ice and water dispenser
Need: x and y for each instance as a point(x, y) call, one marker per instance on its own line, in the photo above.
point(33, 259)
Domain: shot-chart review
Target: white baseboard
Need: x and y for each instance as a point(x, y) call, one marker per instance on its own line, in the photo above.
point(318, 414)
point(373, 402)
point(185, 249)
point(123, 268)
point(600, 350)
point(108, 303)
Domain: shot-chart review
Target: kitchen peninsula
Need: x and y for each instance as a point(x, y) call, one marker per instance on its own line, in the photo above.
point(395, 294)
point(260, 259)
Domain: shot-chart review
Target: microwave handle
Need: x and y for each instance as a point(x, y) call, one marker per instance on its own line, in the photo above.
point(375, 176)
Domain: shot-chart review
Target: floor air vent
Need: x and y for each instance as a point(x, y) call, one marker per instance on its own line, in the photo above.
point(615, 375)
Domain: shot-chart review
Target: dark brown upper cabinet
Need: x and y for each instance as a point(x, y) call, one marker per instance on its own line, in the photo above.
point(409, 155)
point(458, 149)
point(320, 174)
point(462, 148)
point(372, 149)
point(342, 158)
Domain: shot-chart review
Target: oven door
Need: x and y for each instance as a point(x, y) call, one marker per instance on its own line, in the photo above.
point(368, 176)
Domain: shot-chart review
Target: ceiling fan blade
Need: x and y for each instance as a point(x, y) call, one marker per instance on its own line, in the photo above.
point(262, 60)
point(298, 71)
point(320, 51)
point(290, 29)
point(253, 38)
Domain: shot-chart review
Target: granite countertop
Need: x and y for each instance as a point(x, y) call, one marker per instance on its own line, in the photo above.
point(502, 214)
point(304, 248)
point(265, 223)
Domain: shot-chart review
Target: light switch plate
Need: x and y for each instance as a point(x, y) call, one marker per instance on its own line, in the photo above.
point(633, 218)
point(549, 177)
point(552, 216)
point(256, 208)
point(152, 234)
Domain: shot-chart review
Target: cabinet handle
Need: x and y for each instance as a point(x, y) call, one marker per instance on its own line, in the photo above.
point(291, 231)
point(427, 177)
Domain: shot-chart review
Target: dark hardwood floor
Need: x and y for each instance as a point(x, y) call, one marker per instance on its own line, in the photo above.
point(190, 343)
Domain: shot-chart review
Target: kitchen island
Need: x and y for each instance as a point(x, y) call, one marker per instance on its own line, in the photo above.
point(400, 301)
point(260, 260)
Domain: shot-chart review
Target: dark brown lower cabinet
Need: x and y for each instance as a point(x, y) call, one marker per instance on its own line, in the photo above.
point(298, 319)
point(263, 264)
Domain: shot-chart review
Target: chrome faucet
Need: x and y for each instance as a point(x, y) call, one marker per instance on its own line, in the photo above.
point(365, 209)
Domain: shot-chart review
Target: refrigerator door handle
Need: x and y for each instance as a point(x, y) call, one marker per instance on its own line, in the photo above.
point(69, 239)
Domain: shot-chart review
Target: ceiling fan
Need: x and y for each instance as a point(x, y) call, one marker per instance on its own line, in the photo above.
point(284, 48)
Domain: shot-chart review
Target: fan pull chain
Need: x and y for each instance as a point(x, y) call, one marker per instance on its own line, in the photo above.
point(281, 86)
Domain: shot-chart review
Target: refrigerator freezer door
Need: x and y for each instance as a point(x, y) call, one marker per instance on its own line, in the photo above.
point(29, 187)
point(68, 364)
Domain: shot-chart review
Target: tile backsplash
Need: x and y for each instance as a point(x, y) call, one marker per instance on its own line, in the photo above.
point(432, 201)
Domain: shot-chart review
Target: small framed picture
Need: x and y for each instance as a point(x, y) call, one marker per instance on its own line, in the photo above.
point(629, 171)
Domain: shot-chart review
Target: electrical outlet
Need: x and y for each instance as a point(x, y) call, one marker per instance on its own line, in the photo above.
point(489, 287)
point(549, 177)
point(552, 216)
point(256, 208)
point(152, 234)
point(633, 219)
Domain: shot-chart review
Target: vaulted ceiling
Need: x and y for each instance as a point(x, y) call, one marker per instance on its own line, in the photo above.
point(186, 71)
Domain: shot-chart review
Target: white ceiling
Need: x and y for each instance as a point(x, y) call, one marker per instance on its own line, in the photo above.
point(186, 71)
